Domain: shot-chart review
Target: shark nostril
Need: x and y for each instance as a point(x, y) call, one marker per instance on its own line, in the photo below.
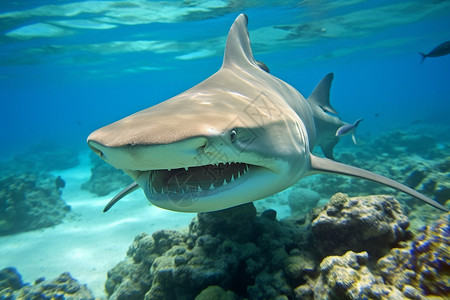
point(202, 146)
point(95, 150)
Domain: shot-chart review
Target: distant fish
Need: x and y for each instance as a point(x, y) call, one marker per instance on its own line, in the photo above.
point(59, 182)
point(347, 129)
point(416, 122)
point(441, 50)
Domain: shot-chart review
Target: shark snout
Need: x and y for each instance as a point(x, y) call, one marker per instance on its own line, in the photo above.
point(96, 148)
point(142, 157)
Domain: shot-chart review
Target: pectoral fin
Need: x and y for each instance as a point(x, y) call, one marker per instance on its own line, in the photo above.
point(323, 165)
point(128, 190)
point(327, 149)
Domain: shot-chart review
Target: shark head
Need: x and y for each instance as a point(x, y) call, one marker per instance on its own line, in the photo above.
point(238, 136)
point(228, 140)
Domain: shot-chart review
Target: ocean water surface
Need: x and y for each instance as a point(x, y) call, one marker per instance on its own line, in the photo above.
point(70, 67)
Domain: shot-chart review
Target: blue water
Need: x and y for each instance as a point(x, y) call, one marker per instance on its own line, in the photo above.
point(67, 68)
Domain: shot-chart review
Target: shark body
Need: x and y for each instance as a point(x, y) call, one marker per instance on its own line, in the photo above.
point(238, 136)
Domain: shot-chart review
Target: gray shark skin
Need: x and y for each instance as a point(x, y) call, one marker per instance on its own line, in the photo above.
point(239, 136)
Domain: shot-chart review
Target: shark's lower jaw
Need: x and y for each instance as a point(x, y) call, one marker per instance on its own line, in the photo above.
point(195, 179)
point(183, 187)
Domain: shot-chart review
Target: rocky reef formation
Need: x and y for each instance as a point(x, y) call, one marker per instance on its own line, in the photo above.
point(422, 266)
point(419, 270)
point(62, 287)
point(30, 201)
point(371, 223)
point(244, 254)
point(237, 254)
point(30, 197)
point(105, 178)
point(346, 277)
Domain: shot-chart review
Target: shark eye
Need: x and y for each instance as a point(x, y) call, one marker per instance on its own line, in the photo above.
point(233, 135)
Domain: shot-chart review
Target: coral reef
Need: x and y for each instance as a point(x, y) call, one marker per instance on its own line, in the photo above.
point(423, 265)
point(62, 287)
point(10, 281)
point(301, 201)
point(30, 201)
point(419, 270)
point(237, 254)
point(244, 254)
point(371, 223)
point(346, 277)
point(105, 178)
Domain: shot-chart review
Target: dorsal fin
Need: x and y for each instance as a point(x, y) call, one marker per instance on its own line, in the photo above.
point(238, 50)
point(321, 94)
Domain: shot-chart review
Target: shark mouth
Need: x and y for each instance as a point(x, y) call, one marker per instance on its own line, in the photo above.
point(194, 179)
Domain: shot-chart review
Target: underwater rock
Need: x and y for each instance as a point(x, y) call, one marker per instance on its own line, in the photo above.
point(298, 265)
point(28, 202)
point(62, 287)
point(371, 223)
point(346, 277)
point(60, 183)
point(128, 280)
point(301, 200)
point(10, 281)
point(250, 256)
point(422, 266)
point(105, 178)
point(235, 223)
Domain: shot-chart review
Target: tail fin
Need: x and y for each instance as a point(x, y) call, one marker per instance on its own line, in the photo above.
point(357, 122)
point(323, 165)
point(354, 131)
point(423, 56)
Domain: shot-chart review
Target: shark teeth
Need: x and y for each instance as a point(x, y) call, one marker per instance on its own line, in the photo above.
point(196, 179)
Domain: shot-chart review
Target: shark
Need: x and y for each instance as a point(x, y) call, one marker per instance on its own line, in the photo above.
point(238, 136)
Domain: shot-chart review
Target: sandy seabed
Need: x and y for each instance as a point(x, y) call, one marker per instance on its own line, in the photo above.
point(89, 242)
